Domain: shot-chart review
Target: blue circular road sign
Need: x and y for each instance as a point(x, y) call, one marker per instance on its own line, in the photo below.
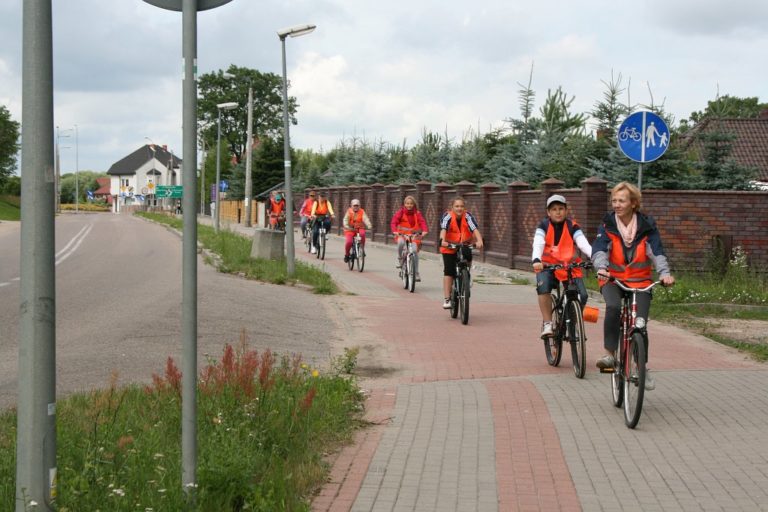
point(643, 136)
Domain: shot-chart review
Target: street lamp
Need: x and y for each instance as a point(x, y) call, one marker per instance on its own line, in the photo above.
point(77, 168)
point(221, 106)
point(298, 30)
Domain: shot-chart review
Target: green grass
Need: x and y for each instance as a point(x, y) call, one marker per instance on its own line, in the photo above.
point(9, 208)
point(235, 253)
point(264, 426)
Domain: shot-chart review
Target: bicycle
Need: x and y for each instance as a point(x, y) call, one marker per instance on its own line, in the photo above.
point(629, 372)
point(461, 283)
point(357, 253)
point(321, 239)
point(307, 235)
point(630, 133)
point(408, 258)
point(567, 321)
point(277, 221)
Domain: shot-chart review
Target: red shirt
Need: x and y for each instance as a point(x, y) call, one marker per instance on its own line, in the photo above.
point(411, 218)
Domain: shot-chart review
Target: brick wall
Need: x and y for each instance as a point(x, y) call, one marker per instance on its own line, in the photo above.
point(689, 221)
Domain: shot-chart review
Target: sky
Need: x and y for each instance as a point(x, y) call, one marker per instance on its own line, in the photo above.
point(385, 71)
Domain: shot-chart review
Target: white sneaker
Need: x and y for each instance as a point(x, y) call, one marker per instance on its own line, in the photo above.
point(546, 329)
point(650, 382)
point(314, 250)
point(447, 304)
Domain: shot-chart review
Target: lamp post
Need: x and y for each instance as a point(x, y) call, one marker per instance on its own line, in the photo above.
point(248, 158)
point(221, 106)
point(57, 165)
point(77, 168)
point(298, 30)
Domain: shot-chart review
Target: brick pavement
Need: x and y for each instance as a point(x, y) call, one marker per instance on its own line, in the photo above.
point(472, 418)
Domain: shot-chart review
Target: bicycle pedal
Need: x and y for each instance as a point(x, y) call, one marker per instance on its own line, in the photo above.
point(606, 370)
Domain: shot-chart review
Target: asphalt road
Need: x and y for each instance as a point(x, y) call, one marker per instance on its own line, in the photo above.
point(118, 305)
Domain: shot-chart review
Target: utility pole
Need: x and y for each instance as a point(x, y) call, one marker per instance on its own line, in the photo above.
point(77, 168)
point(36, 411)
point(248, 151)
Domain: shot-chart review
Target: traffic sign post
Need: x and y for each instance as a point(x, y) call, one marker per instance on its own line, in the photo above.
point(643, 137)
point(189, 10)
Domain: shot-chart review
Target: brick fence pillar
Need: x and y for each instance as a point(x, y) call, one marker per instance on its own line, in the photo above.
point(596, 199)
point(379, 222)
point(390, 205)
point(515, 219)
point(485, 208)
point(464, 187)
point(443, 195)
point(549, 187)
point(422, 187)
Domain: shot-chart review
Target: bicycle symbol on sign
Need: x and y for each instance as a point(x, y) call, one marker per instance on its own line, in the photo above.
point(630, 133)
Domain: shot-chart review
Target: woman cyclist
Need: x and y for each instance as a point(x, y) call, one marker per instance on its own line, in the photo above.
point(456, 227)
point(322, 211)
point(627, 243)
point(408, 220)
point(306, 211)
point(355, 221)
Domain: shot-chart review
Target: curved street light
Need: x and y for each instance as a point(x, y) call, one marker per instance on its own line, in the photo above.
point(296, 31)
point(221, 106)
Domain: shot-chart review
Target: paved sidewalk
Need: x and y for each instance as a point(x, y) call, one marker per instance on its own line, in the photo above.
point(471, 418)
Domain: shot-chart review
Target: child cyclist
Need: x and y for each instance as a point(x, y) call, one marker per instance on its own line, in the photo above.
point(457, 226)
point(408, 220)
point(553, 243)
point(355, 221)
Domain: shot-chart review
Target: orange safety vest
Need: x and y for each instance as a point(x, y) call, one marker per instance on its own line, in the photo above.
point(355, 220)
point(636, 273)
point(321, 208)
point(276, 207)
point(405, 227)
point(562, 253)
point(455, 234)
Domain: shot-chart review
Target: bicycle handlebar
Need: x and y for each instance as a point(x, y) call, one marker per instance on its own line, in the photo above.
point(559, 266)
point(630, 289)
point(456, 246)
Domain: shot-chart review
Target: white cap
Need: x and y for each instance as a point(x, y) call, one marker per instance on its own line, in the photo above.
point(355, 202)
point(557, 198)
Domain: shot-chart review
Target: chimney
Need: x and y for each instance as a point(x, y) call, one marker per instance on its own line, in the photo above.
point(763, 115)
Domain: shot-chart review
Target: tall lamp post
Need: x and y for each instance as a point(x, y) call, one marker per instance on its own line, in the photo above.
point(221, 106)
point(77, 168)
point(298, 30)
point(248, 158)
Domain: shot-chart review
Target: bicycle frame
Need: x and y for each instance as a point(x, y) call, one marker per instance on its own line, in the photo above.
point(628, 320)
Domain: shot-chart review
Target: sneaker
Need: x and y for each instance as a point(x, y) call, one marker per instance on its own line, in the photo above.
point(314, 250)
point(346, 258)
point(447, 304)
point(607, 361)
point(546, 329)
point(398, 265)
point(418, 277)
point(650, 382)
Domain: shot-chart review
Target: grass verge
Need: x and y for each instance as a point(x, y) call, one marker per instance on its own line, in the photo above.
point(9, 210)
point(235, 253)
point(264, 426)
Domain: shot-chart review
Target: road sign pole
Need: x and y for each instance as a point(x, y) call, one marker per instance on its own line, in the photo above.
point(36, 408)
point(640, 176)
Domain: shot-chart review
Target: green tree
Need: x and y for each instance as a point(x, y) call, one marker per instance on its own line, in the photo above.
point(609, 112)
point(268, 168)
point(729, 106)
point(9, 144)
point(214, 88)
point(12, 186)
point(86, 180)
point(717, 170)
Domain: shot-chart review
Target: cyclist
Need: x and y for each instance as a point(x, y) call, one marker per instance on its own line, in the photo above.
point(355, 221)
point(627, 243)
point(322, 211)
point(408, 220)
point(276, 209)
point(456, 226)
point(553, 243)
point(306, 211)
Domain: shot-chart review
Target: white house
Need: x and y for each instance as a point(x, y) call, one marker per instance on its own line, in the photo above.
point(133, 179)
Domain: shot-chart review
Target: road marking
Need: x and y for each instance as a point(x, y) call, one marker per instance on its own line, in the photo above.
point(68, 249)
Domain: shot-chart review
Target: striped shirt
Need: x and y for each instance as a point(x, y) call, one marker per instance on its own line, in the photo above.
point(468, 217)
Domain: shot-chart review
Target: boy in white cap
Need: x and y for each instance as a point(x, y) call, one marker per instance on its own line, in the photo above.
point(553, 243)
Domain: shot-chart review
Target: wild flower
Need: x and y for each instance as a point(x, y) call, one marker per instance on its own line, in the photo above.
point(306, 402)
point(315, 373)
point(118, 492)
point(124, 441)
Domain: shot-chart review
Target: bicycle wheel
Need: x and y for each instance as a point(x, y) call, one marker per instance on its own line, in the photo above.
point(634, 382)
point(321, 249)
point(464, 296)
point(455, 298)
point(359, 257)
point(411, 273)
point(578, 339)
point(553, 345)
